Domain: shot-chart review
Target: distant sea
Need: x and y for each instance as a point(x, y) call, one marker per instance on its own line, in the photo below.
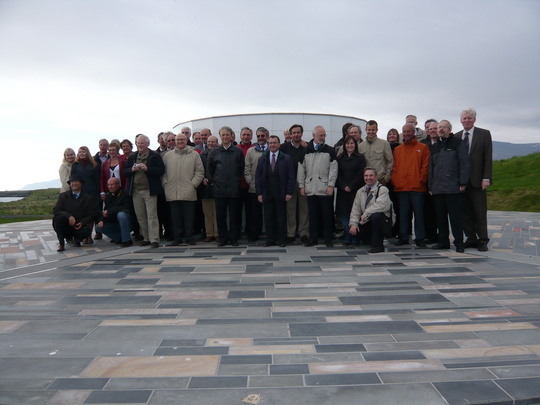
point(9, 199)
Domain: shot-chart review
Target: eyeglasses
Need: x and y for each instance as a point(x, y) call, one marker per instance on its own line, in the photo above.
point(170, 140)
point(185, 133)
point(261, 136)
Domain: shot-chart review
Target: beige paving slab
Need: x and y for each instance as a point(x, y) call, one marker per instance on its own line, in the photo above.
point(43, 286)
point(10, 326)
point(229, 342)
point(479, 327)
point(476, 352)
point(358, 318)
point(70, 397)
point(195, 295)
point(272, 349)
point(152, 366)
point(319, 308)
point(132, 311)
point(490, 314)
point(148, 322)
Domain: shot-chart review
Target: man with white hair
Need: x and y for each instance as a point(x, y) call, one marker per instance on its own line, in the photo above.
point(144, 169)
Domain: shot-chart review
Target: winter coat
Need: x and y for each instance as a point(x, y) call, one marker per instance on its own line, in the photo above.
point(184, 172)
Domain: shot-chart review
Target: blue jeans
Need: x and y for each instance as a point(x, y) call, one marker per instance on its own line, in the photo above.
point(347, 237)
point(119, 230)
point(411, 200)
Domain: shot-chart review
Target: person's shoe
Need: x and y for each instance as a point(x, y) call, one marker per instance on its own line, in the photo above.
point(440, 246)
point(98, 236)
point(144, 243)
point(291, 239)
point(139, 238)
point(234, 243)
point(304, 239)
point(347, 243)
point(222, 243)
point(191, 241)
point(76, 244)
point(282, 244)
point(482, 247)
point(127, 244)
point(154, 245)
point(471, 243)
point(269, 243)
point(175, 243)
point(310, 243)
point(430, 241)
point(401, 242)
point(61, 248)
point(329, 244)
point(420, 243)
point(88, 241)
point(378, 249)
point(209, 239)
point(217, 239)
point(460, 249)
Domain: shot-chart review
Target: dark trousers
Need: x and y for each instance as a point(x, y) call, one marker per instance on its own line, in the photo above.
point(373, 230)
point(430, 218)
point(475, 218)
point(198, 221)
point(164, 216)
point(449, 205)
point(321, 217)
point(65, 231)
point(275, 220)
point(244, 207)
point(182, 215)
point(255, 223)
point(230, 205)
point(411, 201)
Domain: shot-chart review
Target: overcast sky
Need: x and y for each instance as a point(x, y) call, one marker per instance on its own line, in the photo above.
point(73, 72)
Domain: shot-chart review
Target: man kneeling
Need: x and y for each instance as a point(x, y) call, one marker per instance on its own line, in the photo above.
point(371, 208)
point(114, 220)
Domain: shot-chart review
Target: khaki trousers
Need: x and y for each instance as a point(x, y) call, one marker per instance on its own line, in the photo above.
point(303, 217)
point(210, 223)
point(146, 211)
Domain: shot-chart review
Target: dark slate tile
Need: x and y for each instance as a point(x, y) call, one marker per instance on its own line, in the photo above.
point(221, 305)
point(78, 384)
point(221, 252)
point(472, 392)
point(153, 383)
point(259, 320)
point(255, 259)
point(267, 250)
point(176, 269)
point(191, 351)
point(289, 369)
point(331, 259)
point(218, 382)
point(392, 299)
point(182, 342)
point(428, 270)
point(138, 281)
point(340, 348)
point(516, 372)
point(493, 363)
point(285, 341)
point(401, 355)
point(343, 313)
point(247, 294)
point(522, 388)
point(384, 288)
point(457, 280)
point(247, 359)
point(354, 328)
point(119, 397)
point(126, 300)
point(342, 379)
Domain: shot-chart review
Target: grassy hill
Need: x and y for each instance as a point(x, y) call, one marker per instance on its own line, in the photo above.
point(38, 205)
point(516, 184)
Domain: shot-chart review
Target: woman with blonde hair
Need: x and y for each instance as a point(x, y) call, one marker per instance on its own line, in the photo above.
point(65, 169)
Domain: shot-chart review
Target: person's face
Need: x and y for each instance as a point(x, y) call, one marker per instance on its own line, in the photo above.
point(212, 142)
point(370, 178)
point(181, 141)
point(75, 185)
point(162, 142)
point(393, 137)
point(353, 131)
point(186, 132)
point(371, 131)
point(81, 154)
point(113, 185)
point(432, 131)
point(261, 138)
point(288, 136)
point(205, 133)
point(296, 135)
point(443, 129)
point(350, 146)
point(226, 137)
point(408, 133)
point(171, 141)
point(246, 136)
point(319, 135)
point(467, 121)
point(113, 151)
point(142, 144)
point(273, 144)
point(103, 146)
point(126, 148)
point(197, 140)
point(70, 156)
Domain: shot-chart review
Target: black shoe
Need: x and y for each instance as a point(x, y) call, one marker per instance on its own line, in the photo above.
point(282, 244)
point(471, 243)
point(223, 242)
point(378, 249)
point(329, 244)
point(304, 239)
point(420, 243)
point(460, 249)
point(175, 243)
point(440, 246)
point(144, 243)
point(76, 244)
point(139, 237)
point(269, 243)
point(191, 242)
point(482, 247)
point(98, 236)
point(154, 245)
point(61, 248)
point(234, 243)
point(310, 243)
point(401, 242)
point(126, 244)
point(291, 239)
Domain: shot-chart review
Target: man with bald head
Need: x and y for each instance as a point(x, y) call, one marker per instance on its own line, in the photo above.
point(205, 133)
point(410, 178)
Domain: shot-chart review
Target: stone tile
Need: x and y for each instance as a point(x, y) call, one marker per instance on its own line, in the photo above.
point(387, 356)
point(41, 368)
point(70, 397)
point(253, 359)
point(78, 384)
point(10, 326)
point(276, 381)
point(375, 366)
point(478, 327)
point(354, 328)
point(147, 383)
point(170, 366)
point(522, 388)
point(393, 299)
point(477, 352)
point(271, 349)
point(470, 392)
point(516, 371)
point(218, 382)
point(119, 397)
point(243, 369)
point(340, 348)
point(25, 397)
point(289, 369)
point(342, 379)
point(434, 376)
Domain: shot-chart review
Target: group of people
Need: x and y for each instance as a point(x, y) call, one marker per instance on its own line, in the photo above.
point(195, 184)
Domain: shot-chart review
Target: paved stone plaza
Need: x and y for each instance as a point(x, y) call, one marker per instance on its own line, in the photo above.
point(245, 325)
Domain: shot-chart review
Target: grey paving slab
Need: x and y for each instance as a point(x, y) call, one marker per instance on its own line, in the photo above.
point(473, 392)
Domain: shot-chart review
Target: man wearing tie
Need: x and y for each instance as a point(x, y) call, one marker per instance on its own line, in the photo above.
point(480, 148)
point(275, 181)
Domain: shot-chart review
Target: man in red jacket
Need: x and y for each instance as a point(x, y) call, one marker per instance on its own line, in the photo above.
point(410, 177)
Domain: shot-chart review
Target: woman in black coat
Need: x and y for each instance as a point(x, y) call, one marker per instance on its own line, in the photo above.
point(350, 179)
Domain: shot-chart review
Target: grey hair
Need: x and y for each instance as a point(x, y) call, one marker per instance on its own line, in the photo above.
point(470, 111)
point(263, 130)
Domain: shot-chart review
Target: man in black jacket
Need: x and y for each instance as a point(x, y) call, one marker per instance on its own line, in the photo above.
point(114, 220)
point(73, 215)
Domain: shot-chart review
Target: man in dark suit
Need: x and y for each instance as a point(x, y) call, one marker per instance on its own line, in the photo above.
point(480, 148)
point(275, 181)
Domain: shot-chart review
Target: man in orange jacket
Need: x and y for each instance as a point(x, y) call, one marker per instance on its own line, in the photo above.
point(410, 178)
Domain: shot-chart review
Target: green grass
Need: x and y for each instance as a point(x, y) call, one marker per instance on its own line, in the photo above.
point(38, 204)
point(516, 184)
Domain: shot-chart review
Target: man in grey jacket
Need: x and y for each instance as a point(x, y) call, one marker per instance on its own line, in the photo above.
point(317, 176)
